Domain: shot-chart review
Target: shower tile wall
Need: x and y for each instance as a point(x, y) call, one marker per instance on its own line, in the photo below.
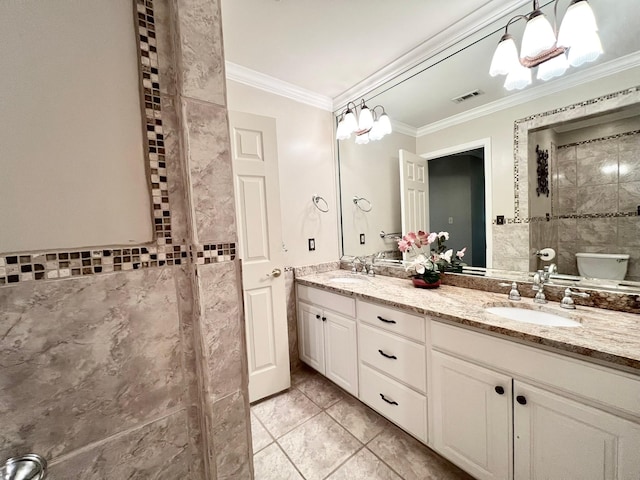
point(141, 373)
point(596, 180)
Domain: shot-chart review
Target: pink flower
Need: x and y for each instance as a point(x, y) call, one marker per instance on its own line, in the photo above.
point(460, 253)
point(423, 237)
point(403, 245)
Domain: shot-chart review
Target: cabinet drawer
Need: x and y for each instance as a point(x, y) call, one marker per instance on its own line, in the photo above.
point(402, 406)
point(331, 301)
point(406, 324)
point(402, 359)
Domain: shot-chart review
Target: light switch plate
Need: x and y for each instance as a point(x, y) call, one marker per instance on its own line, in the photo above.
point(362, 239)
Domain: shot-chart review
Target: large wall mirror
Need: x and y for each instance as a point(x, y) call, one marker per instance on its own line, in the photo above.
point(470, 145)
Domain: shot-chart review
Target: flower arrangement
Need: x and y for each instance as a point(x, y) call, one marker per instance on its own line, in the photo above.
point(428, 264)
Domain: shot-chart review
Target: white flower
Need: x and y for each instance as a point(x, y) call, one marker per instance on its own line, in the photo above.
point(444, 234)
point(460, 253)
point(432, 237)
point(447, 255)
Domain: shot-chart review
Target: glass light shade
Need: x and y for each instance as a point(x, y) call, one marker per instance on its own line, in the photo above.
point(553, 68)
point(518, 78)
point(362, 139)
point(366, 119)
point(578, 20)
point(586, 49)
point(341, 132)
point(385, 124)
point(376, 132)
point(538, 37)
point(351, 124)
point(505, 58)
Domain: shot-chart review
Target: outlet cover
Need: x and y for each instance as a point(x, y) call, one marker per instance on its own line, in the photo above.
point(362, 239)
point(500, 220)
point(312, 244)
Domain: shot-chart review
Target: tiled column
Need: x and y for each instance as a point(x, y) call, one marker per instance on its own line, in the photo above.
point(218, 316)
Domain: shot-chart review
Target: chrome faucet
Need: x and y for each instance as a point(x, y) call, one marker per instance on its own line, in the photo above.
point(514, 294)
point(354, 267)
point(539, 280)
point(567, 301)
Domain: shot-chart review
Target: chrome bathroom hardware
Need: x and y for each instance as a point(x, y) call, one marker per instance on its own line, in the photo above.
point(393, 236)
point(514, 294)
point(567, 301)
point(317, 200)
point(358, 200)
point(27, 467)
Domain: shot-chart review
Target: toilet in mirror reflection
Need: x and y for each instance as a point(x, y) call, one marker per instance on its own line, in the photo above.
point(602, 265)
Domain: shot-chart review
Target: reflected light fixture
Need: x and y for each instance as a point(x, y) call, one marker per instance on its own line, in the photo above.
point(367, 124)
point(543, 46)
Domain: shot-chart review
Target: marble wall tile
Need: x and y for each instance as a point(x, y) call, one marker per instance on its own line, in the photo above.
point(566, 155)
point(567, 260)
point(510, 241)
point(192, 376)
point(629, 231)
point(222, 329)
point(567, 198)
point(232, 438)
point(292, 320)
point(597, 231)
point(567, 230)
point(209, 167)
point(598, 170)
point(567, 175)
point(155, 451)
point(200, 42)
point(596, 199)
point(629, 196)
point(86, 358)
point(164, 45)
point(629, 160)
point(597, 149)
point(175, 172)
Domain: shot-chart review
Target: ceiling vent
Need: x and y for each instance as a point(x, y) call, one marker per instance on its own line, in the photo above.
point(467, 96)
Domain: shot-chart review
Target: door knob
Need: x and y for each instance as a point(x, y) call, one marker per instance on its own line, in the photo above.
point(276, 272)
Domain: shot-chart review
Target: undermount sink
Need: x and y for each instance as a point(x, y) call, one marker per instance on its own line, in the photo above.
point(353, 280)
point(536, 317)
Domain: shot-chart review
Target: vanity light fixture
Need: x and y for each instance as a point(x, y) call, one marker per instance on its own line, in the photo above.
point(367, 124)
point(545, 47)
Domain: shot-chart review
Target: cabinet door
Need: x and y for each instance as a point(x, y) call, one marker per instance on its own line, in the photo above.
point(472, 417)
point(311, 336)
point(341, 360)
point(559, 438)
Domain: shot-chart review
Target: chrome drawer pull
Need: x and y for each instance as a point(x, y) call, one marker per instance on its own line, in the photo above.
point(391, 402)
point(385, 320)
point(393, 357)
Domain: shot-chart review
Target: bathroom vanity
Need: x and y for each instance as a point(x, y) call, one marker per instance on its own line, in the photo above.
point(500, 398)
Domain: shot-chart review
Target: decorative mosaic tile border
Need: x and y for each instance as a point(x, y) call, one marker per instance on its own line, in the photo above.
point(517, 142)
point(584, 215)
point(49, 265)
point(24, 267)
point(601, 139)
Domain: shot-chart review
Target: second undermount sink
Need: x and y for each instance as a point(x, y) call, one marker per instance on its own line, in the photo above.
point(348, 280)
point(536, 317)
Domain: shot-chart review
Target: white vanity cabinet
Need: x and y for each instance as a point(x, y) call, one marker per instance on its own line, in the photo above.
point(392, 352)
point(327, 338)
point(494, 400)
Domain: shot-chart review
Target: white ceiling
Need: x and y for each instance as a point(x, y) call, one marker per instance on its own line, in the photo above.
point(328, 46)
point(337, 48)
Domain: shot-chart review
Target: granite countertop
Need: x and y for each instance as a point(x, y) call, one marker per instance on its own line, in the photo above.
point(605, 336)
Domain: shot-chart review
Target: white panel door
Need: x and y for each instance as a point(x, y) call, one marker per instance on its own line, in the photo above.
point(341, 347)
point(559, 438)
point(255, 170)
point(414, 192)
point(472, 417)
point(311, 336)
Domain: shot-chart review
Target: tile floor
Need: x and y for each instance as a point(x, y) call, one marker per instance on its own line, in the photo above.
point(316, 431)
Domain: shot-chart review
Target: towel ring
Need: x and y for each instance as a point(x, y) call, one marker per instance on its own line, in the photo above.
point(357, 200)
point(316, 200)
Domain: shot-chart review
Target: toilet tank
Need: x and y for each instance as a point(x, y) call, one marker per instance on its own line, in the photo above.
point(611, 266)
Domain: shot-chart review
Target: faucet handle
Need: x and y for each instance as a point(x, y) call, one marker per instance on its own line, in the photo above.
point(514, 294)
point(567, 301)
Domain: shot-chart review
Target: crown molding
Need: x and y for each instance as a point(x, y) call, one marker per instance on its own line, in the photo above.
point(594, 73)
point(480, 18)
point(270, 84)
point(405, 129)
